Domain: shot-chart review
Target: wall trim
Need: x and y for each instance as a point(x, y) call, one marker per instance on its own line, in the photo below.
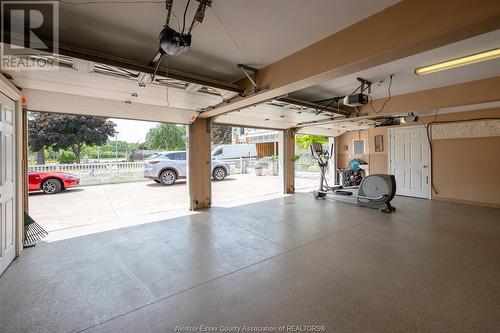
point(469, 129)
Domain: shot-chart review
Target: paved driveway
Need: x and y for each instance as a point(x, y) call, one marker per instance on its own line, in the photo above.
point(101, 203)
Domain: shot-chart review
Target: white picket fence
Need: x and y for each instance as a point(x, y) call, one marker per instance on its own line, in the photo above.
point(240, 165)
point(124, 172)
point(99, 173)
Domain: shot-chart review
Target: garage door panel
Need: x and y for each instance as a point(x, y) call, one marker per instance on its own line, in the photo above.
point(400, 136)
point(416, 180)
point(9, 231)
point(416, 152)
point(415, 136)
point(399, 153)
point(400, 177)
point(7, 183)
point(410, 155)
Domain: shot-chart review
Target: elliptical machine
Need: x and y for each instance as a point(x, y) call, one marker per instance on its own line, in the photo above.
point(375, 191)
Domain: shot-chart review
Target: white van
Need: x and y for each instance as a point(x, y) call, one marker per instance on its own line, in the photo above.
point(223, 152)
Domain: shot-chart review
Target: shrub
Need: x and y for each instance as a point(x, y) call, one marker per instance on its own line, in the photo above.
point(66, 157)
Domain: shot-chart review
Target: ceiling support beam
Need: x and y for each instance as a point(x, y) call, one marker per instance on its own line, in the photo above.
point(342, 110)
point(106, 59)
point(136, 66)
point(426, 101)
point(468, 93)
point(402, 30)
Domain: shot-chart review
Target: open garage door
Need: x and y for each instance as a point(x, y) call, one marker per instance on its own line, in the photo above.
point(249, 158)
point(112, 174)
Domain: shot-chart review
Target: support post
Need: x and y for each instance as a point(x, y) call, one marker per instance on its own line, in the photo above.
point(287, 160)
point(199, 165)
point(332, 166)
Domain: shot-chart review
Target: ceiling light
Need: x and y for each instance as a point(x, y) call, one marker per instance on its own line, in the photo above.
point(467, 60)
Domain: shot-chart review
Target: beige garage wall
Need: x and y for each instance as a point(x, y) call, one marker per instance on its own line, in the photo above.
point(346, 141)
point(464, 169)
point(376, 160)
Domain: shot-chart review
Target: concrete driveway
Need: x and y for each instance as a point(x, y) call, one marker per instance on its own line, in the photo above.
point(102, 203)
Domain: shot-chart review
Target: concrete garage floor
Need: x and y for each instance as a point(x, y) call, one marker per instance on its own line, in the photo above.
point(114, 202)
point(430, 267)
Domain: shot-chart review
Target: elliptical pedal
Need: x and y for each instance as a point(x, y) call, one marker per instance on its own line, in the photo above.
point(342, 192)
point(375, 191)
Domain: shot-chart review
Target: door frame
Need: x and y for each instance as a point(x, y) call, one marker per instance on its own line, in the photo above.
point(391, 131)
point(9, 90)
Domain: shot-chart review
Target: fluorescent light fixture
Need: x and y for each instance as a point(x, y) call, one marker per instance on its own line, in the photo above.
point(467, 60)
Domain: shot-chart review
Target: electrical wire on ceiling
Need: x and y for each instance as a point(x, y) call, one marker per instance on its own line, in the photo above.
point(230, 35)
point(184, 18)
point(166, 71)
point(177, 20)
point(386, 101)
point(337, 100)
point(156, 69)
point(171, 12)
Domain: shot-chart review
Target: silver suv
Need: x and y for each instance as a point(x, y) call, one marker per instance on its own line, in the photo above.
point(167, 167)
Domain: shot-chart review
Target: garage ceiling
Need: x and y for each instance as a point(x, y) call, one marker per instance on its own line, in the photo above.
point(76, 77)
point(405, 81)
point(83, 87)
point(228, 36)
point(234, 31)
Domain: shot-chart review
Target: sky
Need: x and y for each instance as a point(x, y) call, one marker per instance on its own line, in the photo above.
point(132, 131)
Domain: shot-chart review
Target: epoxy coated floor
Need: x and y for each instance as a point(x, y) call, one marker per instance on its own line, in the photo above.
point(113, 202)
point(430, 267)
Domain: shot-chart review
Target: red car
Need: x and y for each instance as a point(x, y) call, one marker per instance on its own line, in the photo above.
point(51, 182)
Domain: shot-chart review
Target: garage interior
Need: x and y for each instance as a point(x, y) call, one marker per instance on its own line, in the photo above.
point(290, 261)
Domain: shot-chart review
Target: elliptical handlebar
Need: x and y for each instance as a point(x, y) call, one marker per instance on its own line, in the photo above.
point(320, 154)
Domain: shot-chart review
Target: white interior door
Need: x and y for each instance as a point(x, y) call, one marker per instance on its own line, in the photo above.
point(410, 161)
point(7, 188)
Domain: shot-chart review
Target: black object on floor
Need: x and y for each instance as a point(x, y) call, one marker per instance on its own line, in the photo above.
point(33, 232)
point(342, 192)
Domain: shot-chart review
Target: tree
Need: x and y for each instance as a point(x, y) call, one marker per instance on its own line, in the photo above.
point(305, 140)
point(166, 137)
point(38, 135)
point(143, 146)
point(109, 150)
point(68, 132)
point(221, 135)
